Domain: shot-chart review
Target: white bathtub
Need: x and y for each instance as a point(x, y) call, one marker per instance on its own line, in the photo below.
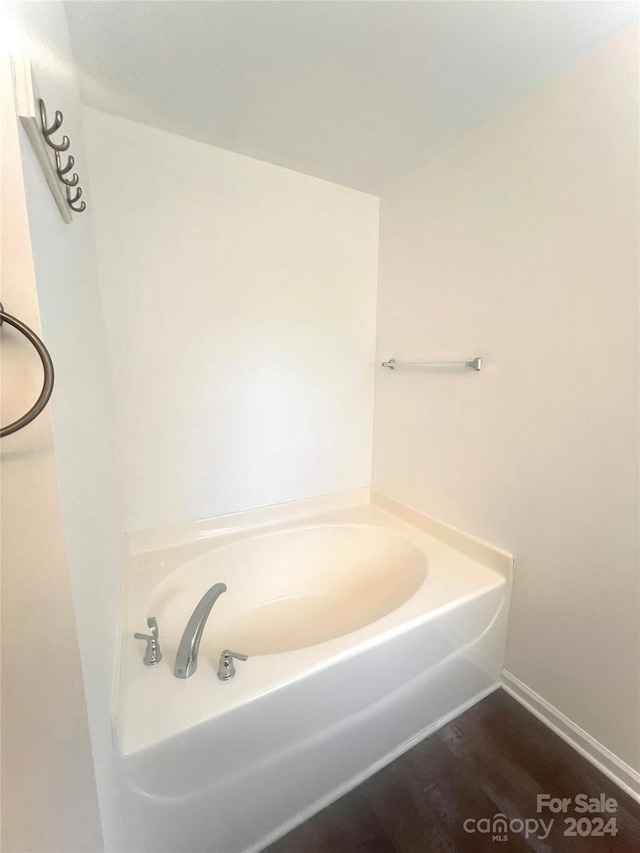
point(367, 626)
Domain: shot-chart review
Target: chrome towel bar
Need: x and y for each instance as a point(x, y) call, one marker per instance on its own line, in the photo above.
point(47, 365)
point(475, 363)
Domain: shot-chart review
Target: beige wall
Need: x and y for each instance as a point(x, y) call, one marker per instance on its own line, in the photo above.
point(49, 800)
point(68, 301)
point(239, 301)
point(520, 244)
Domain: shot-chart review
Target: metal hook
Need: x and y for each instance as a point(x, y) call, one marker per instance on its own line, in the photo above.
point(62, 172)
point(71, 202)
point(57, 123)
point(69, 183)
point(47, 131)
point(69, 165)
point(61, 146)
point(76, 196)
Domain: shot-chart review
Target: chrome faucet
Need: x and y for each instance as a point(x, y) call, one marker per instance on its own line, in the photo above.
point(187, 657)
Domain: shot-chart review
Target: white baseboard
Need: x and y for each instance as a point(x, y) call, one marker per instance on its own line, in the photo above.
point(343, 789)
point(617, 770)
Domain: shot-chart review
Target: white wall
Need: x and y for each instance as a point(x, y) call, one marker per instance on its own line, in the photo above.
point(49, 799)
point(239, 303)
point(68, 299)
point(520, 244)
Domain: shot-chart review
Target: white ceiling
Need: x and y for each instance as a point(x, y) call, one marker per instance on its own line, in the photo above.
point(353, 92)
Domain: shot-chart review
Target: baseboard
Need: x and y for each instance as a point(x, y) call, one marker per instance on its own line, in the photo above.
point(352, 783)
point(606, 761)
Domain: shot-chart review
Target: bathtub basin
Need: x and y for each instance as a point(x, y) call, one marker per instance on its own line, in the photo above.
point(367, 626)
point(291, 588)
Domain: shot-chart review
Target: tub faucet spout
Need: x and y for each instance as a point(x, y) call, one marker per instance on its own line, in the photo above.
point(187, 657)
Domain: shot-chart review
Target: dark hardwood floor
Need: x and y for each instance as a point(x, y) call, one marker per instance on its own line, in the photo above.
point(496, 757)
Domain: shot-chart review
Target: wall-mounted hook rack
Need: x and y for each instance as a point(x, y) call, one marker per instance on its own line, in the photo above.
point(32, 111)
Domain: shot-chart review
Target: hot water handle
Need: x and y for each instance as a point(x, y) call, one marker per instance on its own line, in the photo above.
point(153, 654)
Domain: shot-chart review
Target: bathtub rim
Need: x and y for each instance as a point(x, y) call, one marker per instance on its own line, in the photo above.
point(147, 540)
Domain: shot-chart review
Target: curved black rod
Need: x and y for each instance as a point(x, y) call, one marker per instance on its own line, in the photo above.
point(47, 365)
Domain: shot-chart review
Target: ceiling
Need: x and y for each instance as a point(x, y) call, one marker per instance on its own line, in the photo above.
point(353, 92)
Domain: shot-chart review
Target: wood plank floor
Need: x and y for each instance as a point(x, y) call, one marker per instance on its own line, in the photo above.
point(494, 758)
